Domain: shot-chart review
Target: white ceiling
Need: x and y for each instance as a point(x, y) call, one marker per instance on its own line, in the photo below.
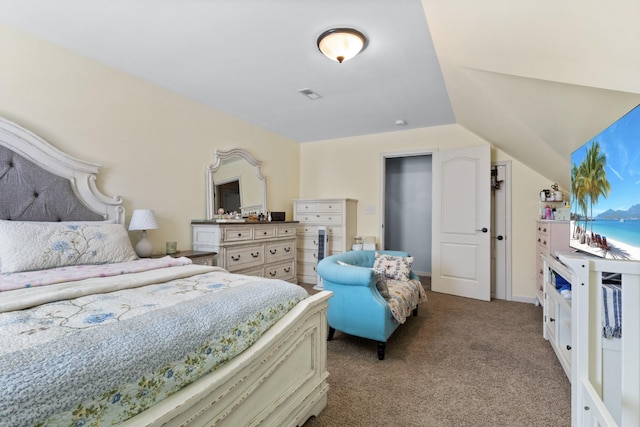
point(535, 79)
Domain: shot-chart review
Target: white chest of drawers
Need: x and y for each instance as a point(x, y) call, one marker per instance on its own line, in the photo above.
point(338, 215)
point(551, 236)
point(265, 249)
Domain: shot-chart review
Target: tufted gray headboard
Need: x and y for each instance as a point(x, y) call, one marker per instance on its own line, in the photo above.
point(40, 183)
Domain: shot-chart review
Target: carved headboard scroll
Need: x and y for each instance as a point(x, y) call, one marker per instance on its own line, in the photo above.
point(41, 183)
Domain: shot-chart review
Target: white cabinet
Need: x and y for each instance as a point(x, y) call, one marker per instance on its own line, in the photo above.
point(556, 322)
point(265, 249)
point(551, 237)
point(337, 215)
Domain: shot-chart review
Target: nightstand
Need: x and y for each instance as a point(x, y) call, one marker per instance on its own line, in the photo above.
point(196, 257)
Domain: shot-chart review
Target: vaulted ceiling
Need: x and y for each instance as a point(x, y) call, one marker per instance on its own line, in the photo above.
point(535, 79)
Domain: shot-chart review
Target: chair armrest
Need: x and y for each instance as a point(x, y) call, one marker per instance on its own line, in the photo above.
point(352, 275)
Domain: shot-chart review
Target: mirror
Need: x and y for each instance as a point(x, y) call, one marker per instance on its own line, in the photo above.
point(235, 179)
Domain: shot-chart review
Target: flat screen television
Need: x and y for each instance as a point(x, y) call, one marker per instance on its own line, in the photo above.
point(605, 191)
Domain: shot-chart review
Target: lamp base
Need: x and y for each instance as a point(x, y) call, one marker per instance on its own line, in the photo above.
point(144, 248)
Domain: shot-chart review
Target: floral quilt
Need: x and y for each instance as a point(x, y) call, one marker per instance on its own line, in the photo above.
point(404, 296)
point(99, 359)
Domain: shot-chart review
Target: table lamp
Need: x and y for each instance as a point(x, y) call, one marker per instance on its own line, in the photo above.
point(143, 219)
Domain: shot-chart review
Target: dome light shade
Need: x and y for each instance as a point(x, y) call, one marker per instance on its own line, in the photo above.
point(341, 44)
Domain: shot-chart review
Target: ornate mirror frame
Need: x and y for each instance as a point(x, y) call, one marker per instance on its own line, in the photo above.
point(219, 156)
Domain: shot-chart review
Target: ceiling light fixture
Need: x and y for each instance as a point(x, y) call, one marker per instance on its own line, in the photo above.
point(341, 44)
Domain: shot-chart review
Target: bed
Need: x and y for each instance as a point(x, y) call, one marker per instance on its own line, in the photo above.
point(605, 372)
point(91, 335)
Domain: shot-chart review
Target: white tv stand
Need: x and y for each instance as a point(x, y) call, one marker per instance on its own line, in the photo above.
point(556, 323)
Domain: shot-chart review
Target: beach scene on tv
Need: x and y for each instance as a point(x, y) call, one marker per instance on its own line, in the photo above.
point(605, 192)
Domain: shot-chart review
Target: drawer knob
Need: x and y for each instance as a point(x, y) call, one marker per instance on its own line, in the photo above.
point(265, 233)
point(255, 255)
point(568, 347)
point(287, 249)
point(551, 319)
point(235, 258)
point(288, 269)
point(239, 234)
point(272, 273)
point(273, 251)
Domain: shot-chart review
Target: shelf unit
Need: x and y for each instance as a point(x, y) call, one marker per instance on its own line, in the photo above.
point(556, 323)
point(551, 237)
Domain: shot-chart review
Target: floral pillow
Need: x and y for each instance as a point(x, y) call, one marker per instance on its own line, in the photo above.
point(26, 246)
point(393, 267)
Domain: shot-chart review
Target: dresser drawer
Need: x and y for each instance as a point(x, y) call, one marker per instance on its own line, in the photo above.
point(308, 256)
point(282, 271)
point(542, 242)
point(312, 230)
point(311, 243)
point(243, 257)
point(285, 231)
point(264, 233)
point(304, 208)
point(239, 234)
point(321, 218)
point(280, 250)
point(330, 207)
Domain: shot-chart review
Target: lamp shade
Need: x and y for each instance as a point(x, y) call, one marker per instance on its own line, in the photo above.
point(341, 44)
point(143, 219)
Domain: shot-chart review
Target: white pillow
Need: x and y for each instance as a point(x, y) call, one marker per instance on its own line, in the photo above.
point(26, 246)
point(394, 267)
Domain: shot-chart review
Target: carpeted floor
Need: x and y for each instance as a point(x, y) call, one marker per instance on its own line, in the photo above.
point(461, 362)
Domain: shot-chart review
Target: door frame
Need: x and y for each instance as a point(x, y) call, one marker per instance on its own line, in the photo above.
point(508, 222)
point(382, 185)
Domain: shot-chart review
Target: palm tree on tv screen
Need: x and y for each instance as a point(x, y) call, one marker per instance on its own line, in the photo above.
point(579, 196)
point(593, 178)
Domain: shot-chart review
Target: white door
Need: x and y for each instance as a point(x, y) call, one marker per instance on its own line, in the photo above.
point(461, 234)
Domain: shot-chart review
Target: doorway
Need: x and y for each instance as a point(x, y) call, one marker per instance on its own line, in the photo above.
point(398, 223)
point(407, 207)
point(501, 230)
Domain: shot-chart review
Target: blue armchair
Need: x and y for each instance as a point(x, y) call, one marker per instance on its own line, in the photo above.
point(357, 307)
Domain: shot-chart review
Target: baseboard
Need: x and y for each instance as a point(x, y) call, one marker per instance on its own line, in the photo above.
point(528, 300)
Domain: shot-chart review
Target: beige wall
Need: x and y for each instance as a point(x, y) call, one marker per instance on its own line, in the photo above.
point(350, 167)
point(153, 145)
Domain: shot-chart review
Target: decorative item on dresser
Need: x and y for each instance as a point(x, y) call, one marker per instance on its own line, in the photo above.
point(196, 257)
point(340, 218)
point(265, 249)
point(551, 237)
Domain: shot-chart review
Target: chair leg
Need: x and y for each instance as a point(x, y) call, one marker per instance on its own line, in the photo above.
point(381, 348)
point(330, 334)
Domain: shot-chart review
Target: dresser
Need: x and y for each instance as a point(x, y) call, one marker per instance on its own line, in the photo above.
point(265, 249)
point(551, 236)
point(337, 215)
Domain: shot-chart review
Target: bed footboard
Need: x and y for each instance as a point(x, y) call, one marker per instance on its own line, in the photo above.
point(279, 381)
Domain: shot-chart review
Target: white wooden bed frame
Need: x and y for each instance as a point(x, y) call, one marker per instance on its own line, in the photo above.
point(279, 381)
point(605, 373)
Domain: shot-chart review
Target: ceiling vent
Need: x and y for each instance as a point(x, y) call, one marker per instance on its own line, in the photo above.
point(309, 93)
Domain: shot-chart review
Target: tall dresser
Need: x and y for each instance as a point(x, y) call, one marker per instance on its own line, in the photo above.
point(338, 215)
point(551, 236)
point(265, 249)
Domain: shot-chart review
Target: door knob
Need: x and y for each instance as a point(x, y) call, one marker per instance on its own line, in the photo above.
point(484, 229)
point(500, 237)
